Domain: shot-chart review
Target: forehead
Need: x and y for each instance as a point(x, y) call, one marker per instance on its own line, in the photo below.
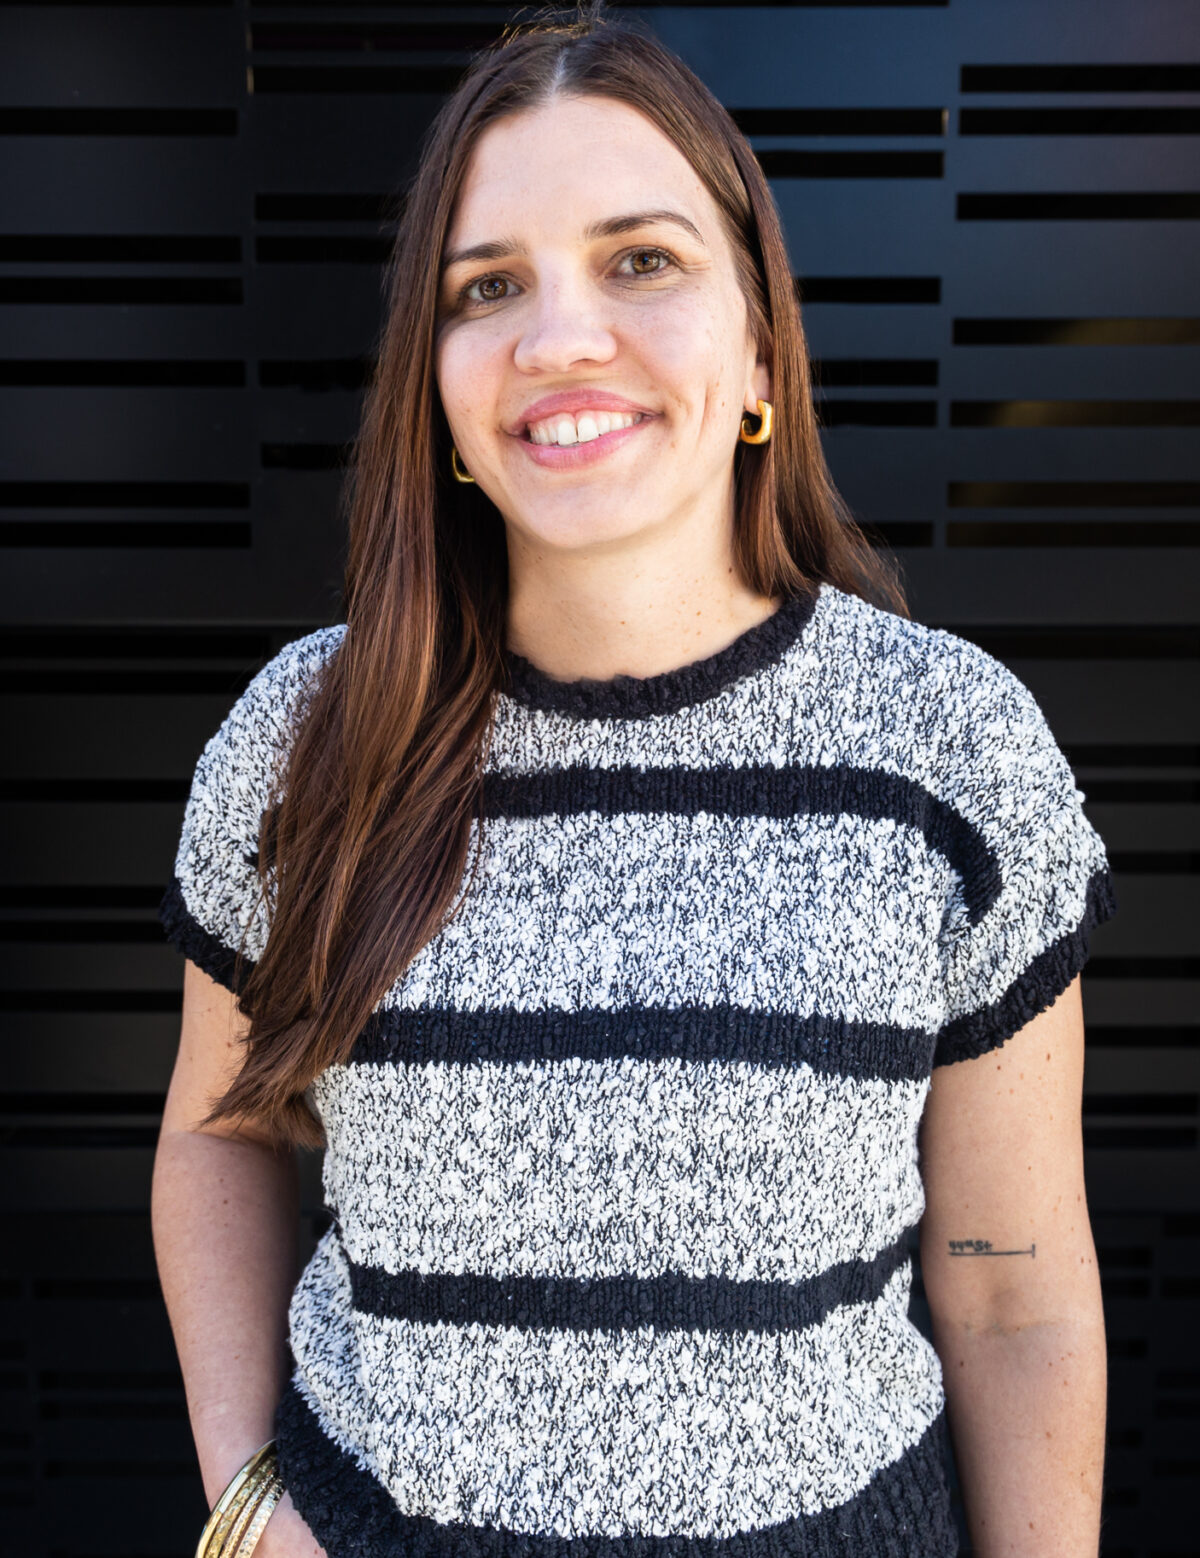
point(569, 161)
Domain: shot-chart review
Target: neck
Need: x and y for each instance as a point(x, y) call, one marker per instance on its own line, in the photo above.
point(600, 616)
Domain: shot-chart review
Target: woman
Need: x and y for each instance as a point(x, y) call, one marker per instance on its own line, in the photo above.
point(663, 926)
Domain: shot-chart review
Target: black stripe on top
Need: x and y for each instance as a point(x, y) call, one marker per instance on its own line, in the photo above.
point(903, 1512)
point(638, 697)
point(831, 1045)
point(671, 1301)
point(759, 790)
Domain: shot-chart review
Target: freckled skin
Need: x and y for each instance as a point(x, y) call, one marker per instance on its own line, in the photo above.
point(1002, 1163)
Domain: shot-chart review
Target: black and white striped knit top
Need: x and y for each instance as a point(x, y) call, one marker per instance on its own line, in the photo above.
point(623, 1171)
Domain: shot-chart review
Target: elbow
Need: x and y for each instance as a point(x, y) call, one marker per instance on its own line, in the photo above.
point(1015, 1314)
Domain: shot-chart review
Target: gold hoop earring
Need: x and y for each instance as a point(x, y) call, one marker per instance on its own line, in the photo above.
point(456, 467)
point(748, 436)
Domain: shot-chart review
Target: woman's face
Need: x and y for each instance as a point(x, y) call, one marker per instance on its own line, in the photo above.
point(606, 273)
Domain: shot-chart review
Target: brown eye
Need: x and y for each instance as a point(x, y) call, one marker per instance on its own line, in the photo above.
point(665, 261)
point(467, 295)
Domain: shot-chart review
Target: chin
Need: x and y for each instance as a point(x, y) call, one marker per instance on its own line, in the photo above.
point(575, 521)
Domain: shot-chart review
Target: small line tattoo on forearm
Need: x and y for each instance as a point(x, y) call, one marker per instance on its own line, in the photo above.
point(984, 1247)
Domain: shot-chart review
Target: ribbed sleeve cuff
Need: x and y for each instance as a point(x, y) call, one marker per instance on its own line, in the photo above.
point(187, 935)
point(975, 1033)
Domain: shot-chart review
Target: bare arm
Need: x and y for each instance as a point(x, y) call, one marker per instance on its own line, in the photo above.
point(224, 1209)
point(1020, 1335)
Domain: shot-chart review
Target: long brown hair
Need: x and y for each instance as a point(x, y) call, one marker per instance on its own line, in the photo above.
point(366, 845)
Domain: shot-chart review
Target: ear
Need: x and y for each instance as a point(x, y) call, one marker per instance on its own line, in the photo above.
point(759, 387)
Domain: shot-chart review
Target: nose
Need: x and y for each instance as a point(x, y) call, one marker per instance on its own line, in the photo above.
point(565, 322)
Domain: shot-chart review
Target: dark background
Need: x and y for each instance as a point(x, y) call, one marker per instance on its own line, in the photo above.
point(991, 206)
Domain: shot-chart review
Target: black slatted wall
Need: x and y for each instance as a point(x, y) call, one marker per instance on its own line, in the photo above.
point(993, 213)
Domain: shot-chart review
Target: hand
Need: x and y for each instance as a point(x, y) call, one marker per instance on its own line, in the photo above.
point(286, 1535)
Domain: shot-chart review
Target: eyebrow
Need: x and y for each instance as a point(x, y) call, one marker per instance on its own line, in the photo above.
point(501, 248)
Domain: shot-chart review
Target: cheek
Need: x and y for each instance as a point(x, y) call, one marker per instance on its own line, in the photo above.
point(463, 374)
point(690, 350)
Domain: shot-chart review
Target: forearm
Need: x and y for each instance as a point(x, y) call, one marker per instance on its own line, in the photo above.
point(1026, 1404)
point(225, 1217)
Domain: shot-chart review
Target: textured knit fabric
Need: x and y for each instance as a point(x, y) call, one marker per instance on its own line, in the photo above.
point(623, 1170)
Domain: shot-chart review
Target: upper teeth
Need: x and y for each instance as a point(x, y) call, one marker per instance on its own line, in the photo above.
point(587, 425)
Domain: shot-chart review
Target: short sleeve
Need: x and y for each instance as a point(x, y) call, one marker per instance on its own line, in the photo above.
point(1034, 876)
point(212, 906)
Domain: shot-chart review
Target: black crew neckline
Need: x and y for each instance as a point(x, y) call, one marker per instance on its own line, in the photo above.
point(635, 697)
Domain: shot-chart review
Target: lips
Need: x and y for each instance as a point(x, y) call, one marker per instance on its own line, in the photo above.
point(575, 457)
point(570, 403)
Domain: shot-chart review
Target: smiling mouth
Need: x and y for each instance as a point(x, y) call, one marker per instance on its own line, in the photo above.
point(568, 432)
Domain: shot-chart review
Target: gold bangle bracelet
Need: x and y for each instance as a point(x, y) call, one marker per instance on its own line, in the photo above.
point(228, 1529)
point(220, 1524)
point(256, 1491)
point(228, 1538)
point(263, 1512)
point(226, 1509)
